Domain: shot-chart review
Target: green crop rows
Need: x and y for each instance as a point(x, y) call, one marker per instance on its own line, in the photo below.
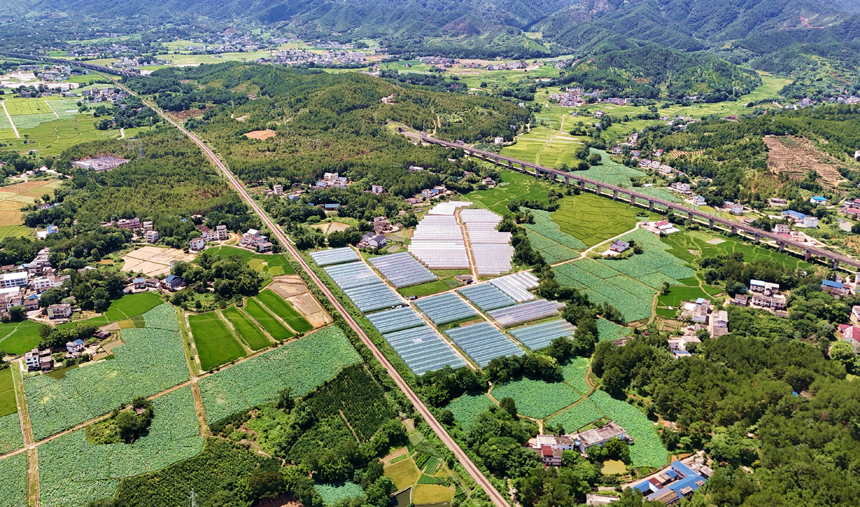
point(574, 371)
point(13, 486)
point(215, 343)
point(284, 310)
point(536, 398)
point(10, 433)
point(628, 284)
point(272, 325)
point(577, 416)
point(150, 361)
point(301, 365)
point(468, 407)
point(546, 236)
point(247, 329)
point(357, 395)
point(608, 331)
point(74, 472)
point(333, 493)
point(620, 175)
point(648, 449)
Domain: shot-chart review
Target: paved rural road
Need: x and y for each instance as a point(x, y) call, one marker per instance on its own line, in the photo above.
point(497, 498)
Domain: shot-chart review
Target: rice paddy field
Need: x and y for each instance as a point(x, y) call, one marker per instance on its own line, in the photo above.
point(694, 245)
point(268, 322)
point(246, 329)
point(629, 284)
point(513, 186)
point(215, 343)
point(593, 219)
point(19, 337)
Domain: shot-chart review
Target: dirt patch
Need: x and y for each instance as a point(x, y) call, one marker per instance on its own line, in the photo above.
point(261, 134)
point(796, 156)
point(285, 500)
point(242, 118)
point(289, 285)
point(310, 309)
point(715, 241)
point(181, 116)
point(154, 261)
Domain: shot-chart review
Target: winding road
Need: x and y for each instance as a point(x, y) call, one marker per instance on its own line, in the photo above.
point(495, 496)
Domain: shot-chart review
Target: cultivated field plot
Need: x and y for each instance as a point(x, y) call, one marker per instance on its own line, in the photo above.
point(468, 407)
point(373, 297)
point(17, 107)
point(74, 472)
point(8, 405)
point(13, 487)
point(546, 237)
point(131, 305)
point(334, 493)
point(301, 365)
point(611, 331)
point(445, 309)
point(574, 372)
point(395, 320)
point(285, 311)
point(513, 186)
point(487, 296)
point(18, 338)
point(334, 256)
point(483, 342)
point(154, 261)
point(215, 343)
point(628, 284)
point(537, 398)
point(577, 416)
point(620, 175)
point(526, 312)
point(517, 285)
point(272, 325)
point(423, 350)
point(541, 335)
point(267, 265)
point(402, 270)
point(438, 242)
point(150, 360)
point(698, 241)
point(593, 219)
point(10, 433)
point(247, 330)
point(648, 449)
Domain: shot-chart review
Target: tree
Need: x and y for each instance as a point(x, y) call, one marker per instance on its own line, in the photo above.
point(509, 406)
point(285, 399)
point(843, 352)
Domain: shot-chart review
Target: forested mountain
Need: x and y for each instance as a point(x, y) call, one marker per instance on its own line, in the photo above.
point(575, 24)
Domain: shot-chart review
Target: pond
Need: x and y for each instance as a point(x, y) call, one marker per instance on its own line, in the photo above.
point(613, 466)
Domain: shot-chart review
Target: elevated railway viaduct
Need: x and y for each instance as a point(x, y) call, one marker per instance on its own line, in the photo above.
point(647, 201)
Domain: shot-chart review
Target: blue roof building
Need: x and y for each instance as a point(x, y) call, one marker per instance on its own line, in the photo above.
point(795, 215)
point(331, 206)
point(817, 199)
point(52, 229)
point(832, 284)
point(676, 482)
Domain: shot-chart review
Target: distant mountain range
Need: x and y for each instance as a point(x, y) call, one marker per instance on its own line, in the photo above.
point(582, 25)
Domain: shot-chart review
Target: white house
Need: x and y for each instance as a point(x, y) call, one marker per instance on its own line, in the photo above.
point(17, 279)
point(151, 236)
point(811, 222)
point(197, 244)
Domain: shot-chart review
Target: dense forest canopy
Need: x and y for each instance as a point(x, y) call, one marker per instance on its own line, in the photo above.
point(327, 122)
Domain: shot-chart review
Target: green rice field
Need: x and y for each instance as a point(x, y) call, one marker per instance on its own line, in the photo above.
point(593, 219)
point(513, 186)
point(215, 343)
point(284, 310)
point(19, 337)
point(131, 305)
point(272, 325)
point(246, 329)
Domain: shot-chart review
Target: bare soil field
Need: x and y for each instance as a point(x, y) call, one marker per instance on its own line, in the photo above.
point(181, 116)
point(795, 156)
point(154, 261)
point(261, 134)
point(330, 227)
point(293, 289)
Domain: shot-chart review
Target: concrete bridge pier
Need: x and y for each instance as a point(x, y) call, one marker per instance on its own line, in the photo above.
point(835, 264)
point(523, 166)
point(757, 237)
point(734, 230)
point(690, 215)
point(599, 190)
point(711, 223)
point(581, 184)
point(567, 180)
point(615, 195)
point(510, 165)
point(782, 246)
point(651, 205)
point(807, 256)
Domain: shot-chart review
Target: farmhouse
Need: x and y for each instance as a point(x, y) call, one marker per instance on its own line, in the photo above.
point(684, 188)
point(151, 236)
point(817, 199)
point(619, 246)
point(36, 360)
point(76, 346)
point(17, 279)
point(777, 202)
point(139, 283)
point(371, 240)
point(763, 287)
point(851, 334)
point(675, 483)
point(197, 244)
point(698, 201)
point(152, 283)
point(835, 288)
point(59, 311)
point(781, 229)
point(172, 282)
point(599, 436)
point(376, 189)
point(278, 189)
